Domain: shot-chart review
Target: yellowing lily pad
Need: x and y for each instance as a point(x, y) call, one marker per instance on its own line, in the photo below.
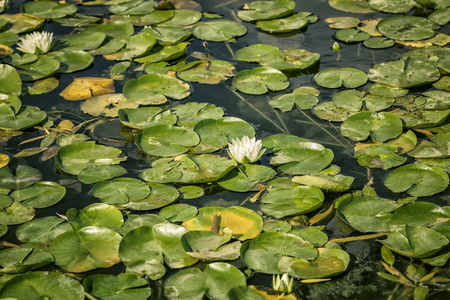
point(107, 105)
point(243, 223)
point(86, 87)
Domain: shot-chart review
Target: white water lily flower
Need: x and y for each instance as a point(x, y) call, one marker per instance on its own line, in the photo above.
point(36, 42)
point(245, 150)
point(3, 5)
point(283, 284)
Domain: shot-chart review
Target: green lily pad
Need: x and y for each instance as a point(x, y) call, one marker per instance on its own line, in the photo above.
point(116, 29)
point(379, 156)
point(254, 53)
point(260, 80)
point(207, 245)
point(144, 117)
point(315, 236)
point(191, 192)
point(42, 230)
point(325, 181)
point(22, 22)
point(37, 285)
point(191, 113)
point(417, 242)
point(43, 86)
point(189, 169)
point(217, 133)
point(350, 100)
point(41, 68)
point(182, 18)
point(264, 252)
point(342, 22)
point(282, 202)
point(290, 60)
point(351, 35)
point(277, 142)
point(407, 28)
point(246, 178)
point(85, 40)
point(302, 158)
point(286, 102)
point(266, 10)
point(404, 73)
point(422, 118)
point(97, 214)
point(330, 262)
point(136, 45)
point(89, 248)
point(187, 284)
point(335, 78)
point(209, 72)
point(98, 173)
point(20, 260)
point(163, 53)
point(23, 177)
point(329, 111)
point(16, 214)
point(76, 157)
point(417, 180)
point(283, 25)
point(40, 195)
point(155, 17)
point(276, 226)
point(77, 20)
point(166, 140)
point(11, 82)
point(48, 9)
point(120, 190)
point(380, 126)
point(218, 30)
point(134, 221)
point(378, 42)
point(133, 7)
point(26, 117)
point(160, 195)
point(168, 35)
point(418, 214)
point(223, 279)
point(243, 222)
point(71, 61)
point(178, 212)
point(367, 213)
point(351, 6)
point(127, 286)
point(144, 250)
point(383, 90)
point(154, 88)
point(396, 6)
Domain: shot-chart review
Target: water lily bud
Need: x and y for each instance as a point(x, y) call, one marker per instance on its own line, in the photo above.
point(336, 47)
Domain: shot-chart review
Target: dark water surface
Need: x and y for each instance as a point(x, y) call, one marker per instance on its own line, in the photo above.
point(360, 281)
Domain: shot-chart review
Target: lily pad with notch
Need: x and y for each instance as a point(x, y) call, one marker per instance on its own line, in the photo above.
point(260, 80)
point(160, 196)
point(41, 68)
point(407, 28)
point(133, 7)
point(382, 156)
point(168, 35)
point(246, 177)
point(266, 10)
point(40, 195)
point(218, 30)
point(120, 190)
point(107, 105)
point(122, 285)
point(96, 214)
point(335, 78)
point(210, 246)
point(11, 82)
point(20, 260)
point(48, 9)
point(42, 230)
point(23, 177)
point(144, 117)
point(282, 25)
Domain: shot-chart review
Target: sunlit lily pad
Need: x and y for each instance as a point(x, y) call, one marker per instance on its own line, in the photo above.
point(40, 195)
point(191, 113)
point(246, 177)
point(11, 82)
point(144, 250)
point(163, 53)
point(144, 117)
point(325, 181)
point(168, 35)
point(35, 285)
point(187, 284)
point(407, 28)
point(136, 45)
point(266, 10)
point(20, 260)
point(264, 252)
point(282, 202)
point(329, 111)
point(41, 68)
point(396, 6)
point(286, 102)
point(416, 242)
point(89, 248)
point(22, 22)
point(207, 245)
point(334, 78)
point(104, 286)
point(254, 53)
point(330, 262)
point(86, 87)
point(120, 190)
point(351, 6)
point(243, 222)
point(84, 40)
point(166, 140)
point(342, 22)
point(97, 214)
point(417, 180)
point(133, 7)
point(302, 158)
point(379, 156)
point(16, 214)
point(367, 213)
point(43, 86)
point(260, 80)
point(48, 9)
point(351, 35)
point(404, 73)
point(96, 173)
point(218, 30)
point(160, 195)
point(115, 29)
point(282, 25)
point(154, 88)
point(290, 59)
point(380, 126)
point(378, 42)
point(210, 72)
point(26, 117)
point(77, 20)
point(74, 158)
point(189, 169)
point(24, 176)
point(422, 118)
point(178, 212)
point(155, 17)
point(350, 100)
point(418, 214)
point(42, 230)
point(72, 61)
point(107, 105)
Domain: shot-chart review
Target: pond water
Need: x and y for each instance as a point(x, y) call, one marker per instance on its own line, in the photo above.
point(360, 280)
